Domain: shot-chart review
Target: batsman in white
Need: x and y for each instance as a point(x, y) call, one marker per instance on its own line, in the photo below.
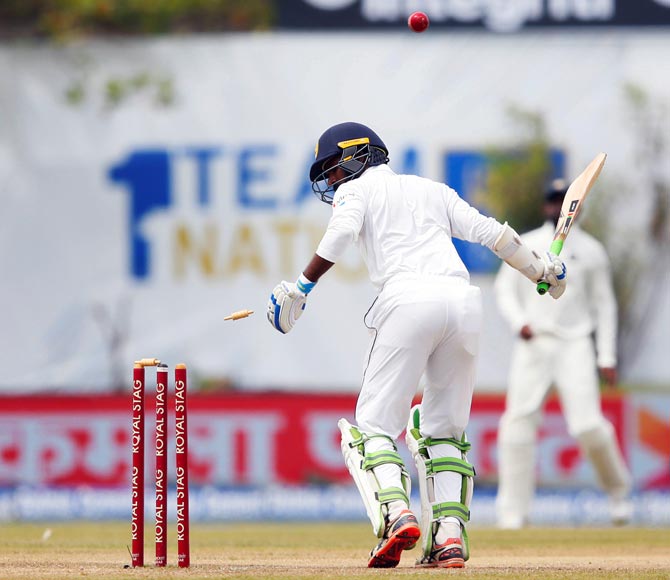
point(554, 346)
point(426, 318)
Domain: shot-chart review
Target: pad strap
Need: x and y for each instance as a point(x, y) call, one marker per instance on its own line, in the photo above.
point(377, 458)
point(451, 508)
point(360, 439)
point(450, 464)
point(390, 494)
point(463, 446)
point(423, 442)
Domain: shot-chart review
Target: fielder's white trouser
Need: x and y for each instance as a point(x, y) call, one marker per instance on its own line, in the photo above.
point(430, 326)
point(570, 366)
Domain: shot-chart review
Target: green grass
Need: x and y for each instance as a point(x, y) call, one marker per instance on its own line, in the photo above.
point(316, 551)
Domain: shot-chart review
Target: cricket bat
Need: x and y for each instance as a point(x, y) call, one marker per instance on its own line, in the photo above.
point(574, 198)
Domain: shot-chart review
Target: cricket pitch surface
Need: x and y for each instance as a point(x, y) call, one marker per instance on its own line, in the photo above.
point(306, 551)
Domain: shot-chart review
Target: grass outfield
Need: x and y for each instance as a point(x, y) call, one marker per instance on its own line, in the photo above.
point(316, 551)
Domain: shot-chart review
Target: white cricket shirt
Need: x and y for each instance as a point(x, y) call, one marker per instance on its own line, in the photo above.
point(403, 226)
point(588, 304)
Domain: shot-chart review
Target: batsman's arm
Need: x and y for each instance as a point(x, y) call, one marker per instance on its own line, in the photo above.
point(317, 267)
point(509, 248)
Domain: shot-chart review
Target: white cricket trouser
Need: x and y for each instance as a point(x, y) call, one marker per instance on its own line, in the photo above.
point(569, 365)
point(429, 326)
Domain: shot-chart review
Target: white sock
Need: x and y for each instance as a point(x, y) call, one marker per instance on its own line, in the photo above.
point(395, 508)
point(449, 528)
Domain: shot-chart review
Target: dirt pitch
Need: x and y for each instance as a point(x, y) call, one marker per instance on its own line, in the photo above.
point(317, 551)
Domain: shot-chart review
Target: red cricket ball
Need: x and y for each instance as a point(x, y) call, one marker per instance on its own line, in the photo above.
point(418, 21)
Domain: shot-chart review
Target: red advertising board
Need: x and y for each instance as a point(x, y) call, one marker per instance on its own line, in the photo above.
point(268, 438)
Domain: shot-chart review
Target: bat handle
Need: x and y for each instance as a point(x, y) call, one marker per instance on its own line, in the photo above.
point(555, 248)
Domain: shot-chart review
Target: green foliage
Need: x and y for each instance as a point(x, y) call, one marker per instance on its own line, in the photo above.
point(517, 176)
point(64, 19)
point(119, 89)
point(650, 118)
point(623, 245)
point(638, 250)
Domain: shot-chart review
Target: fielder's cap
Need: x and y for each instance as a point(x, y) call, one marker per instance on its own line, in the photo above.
point(556, 190)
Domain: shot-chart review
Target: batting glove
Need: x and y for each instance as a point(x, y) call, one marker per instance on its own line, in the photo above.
point(554, 274)
point(285, 306)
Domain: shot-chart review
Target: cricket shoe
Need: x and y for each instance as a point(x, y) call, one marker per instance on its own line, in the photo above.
point(446, 555)
point(400, 534)
point(621, 511)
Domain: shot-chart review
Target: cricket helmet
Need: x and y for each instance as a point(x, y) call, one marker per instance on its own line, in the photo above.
point(351, 146)
point(556, 190)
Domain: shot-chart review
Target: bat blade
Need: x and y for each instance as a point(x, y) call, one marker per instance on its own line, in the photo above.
point(576, 194)
point(572, 204)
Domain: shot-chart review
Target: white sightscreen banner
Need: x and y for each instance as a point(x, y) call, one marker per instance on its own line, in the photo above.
point(131, 231)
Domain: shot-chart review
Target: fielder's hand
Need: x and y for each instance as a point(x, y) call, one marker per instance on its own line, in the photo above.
point(285, 306)
point(554, 274)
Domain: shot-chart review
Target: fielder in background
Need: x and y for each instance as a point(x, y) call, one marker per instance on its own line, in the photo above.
point(555, 346)
point(426, 318)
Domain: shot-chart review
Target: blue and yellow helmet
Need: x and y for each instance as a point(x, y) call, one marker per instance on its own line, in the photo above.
point(351, 146)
